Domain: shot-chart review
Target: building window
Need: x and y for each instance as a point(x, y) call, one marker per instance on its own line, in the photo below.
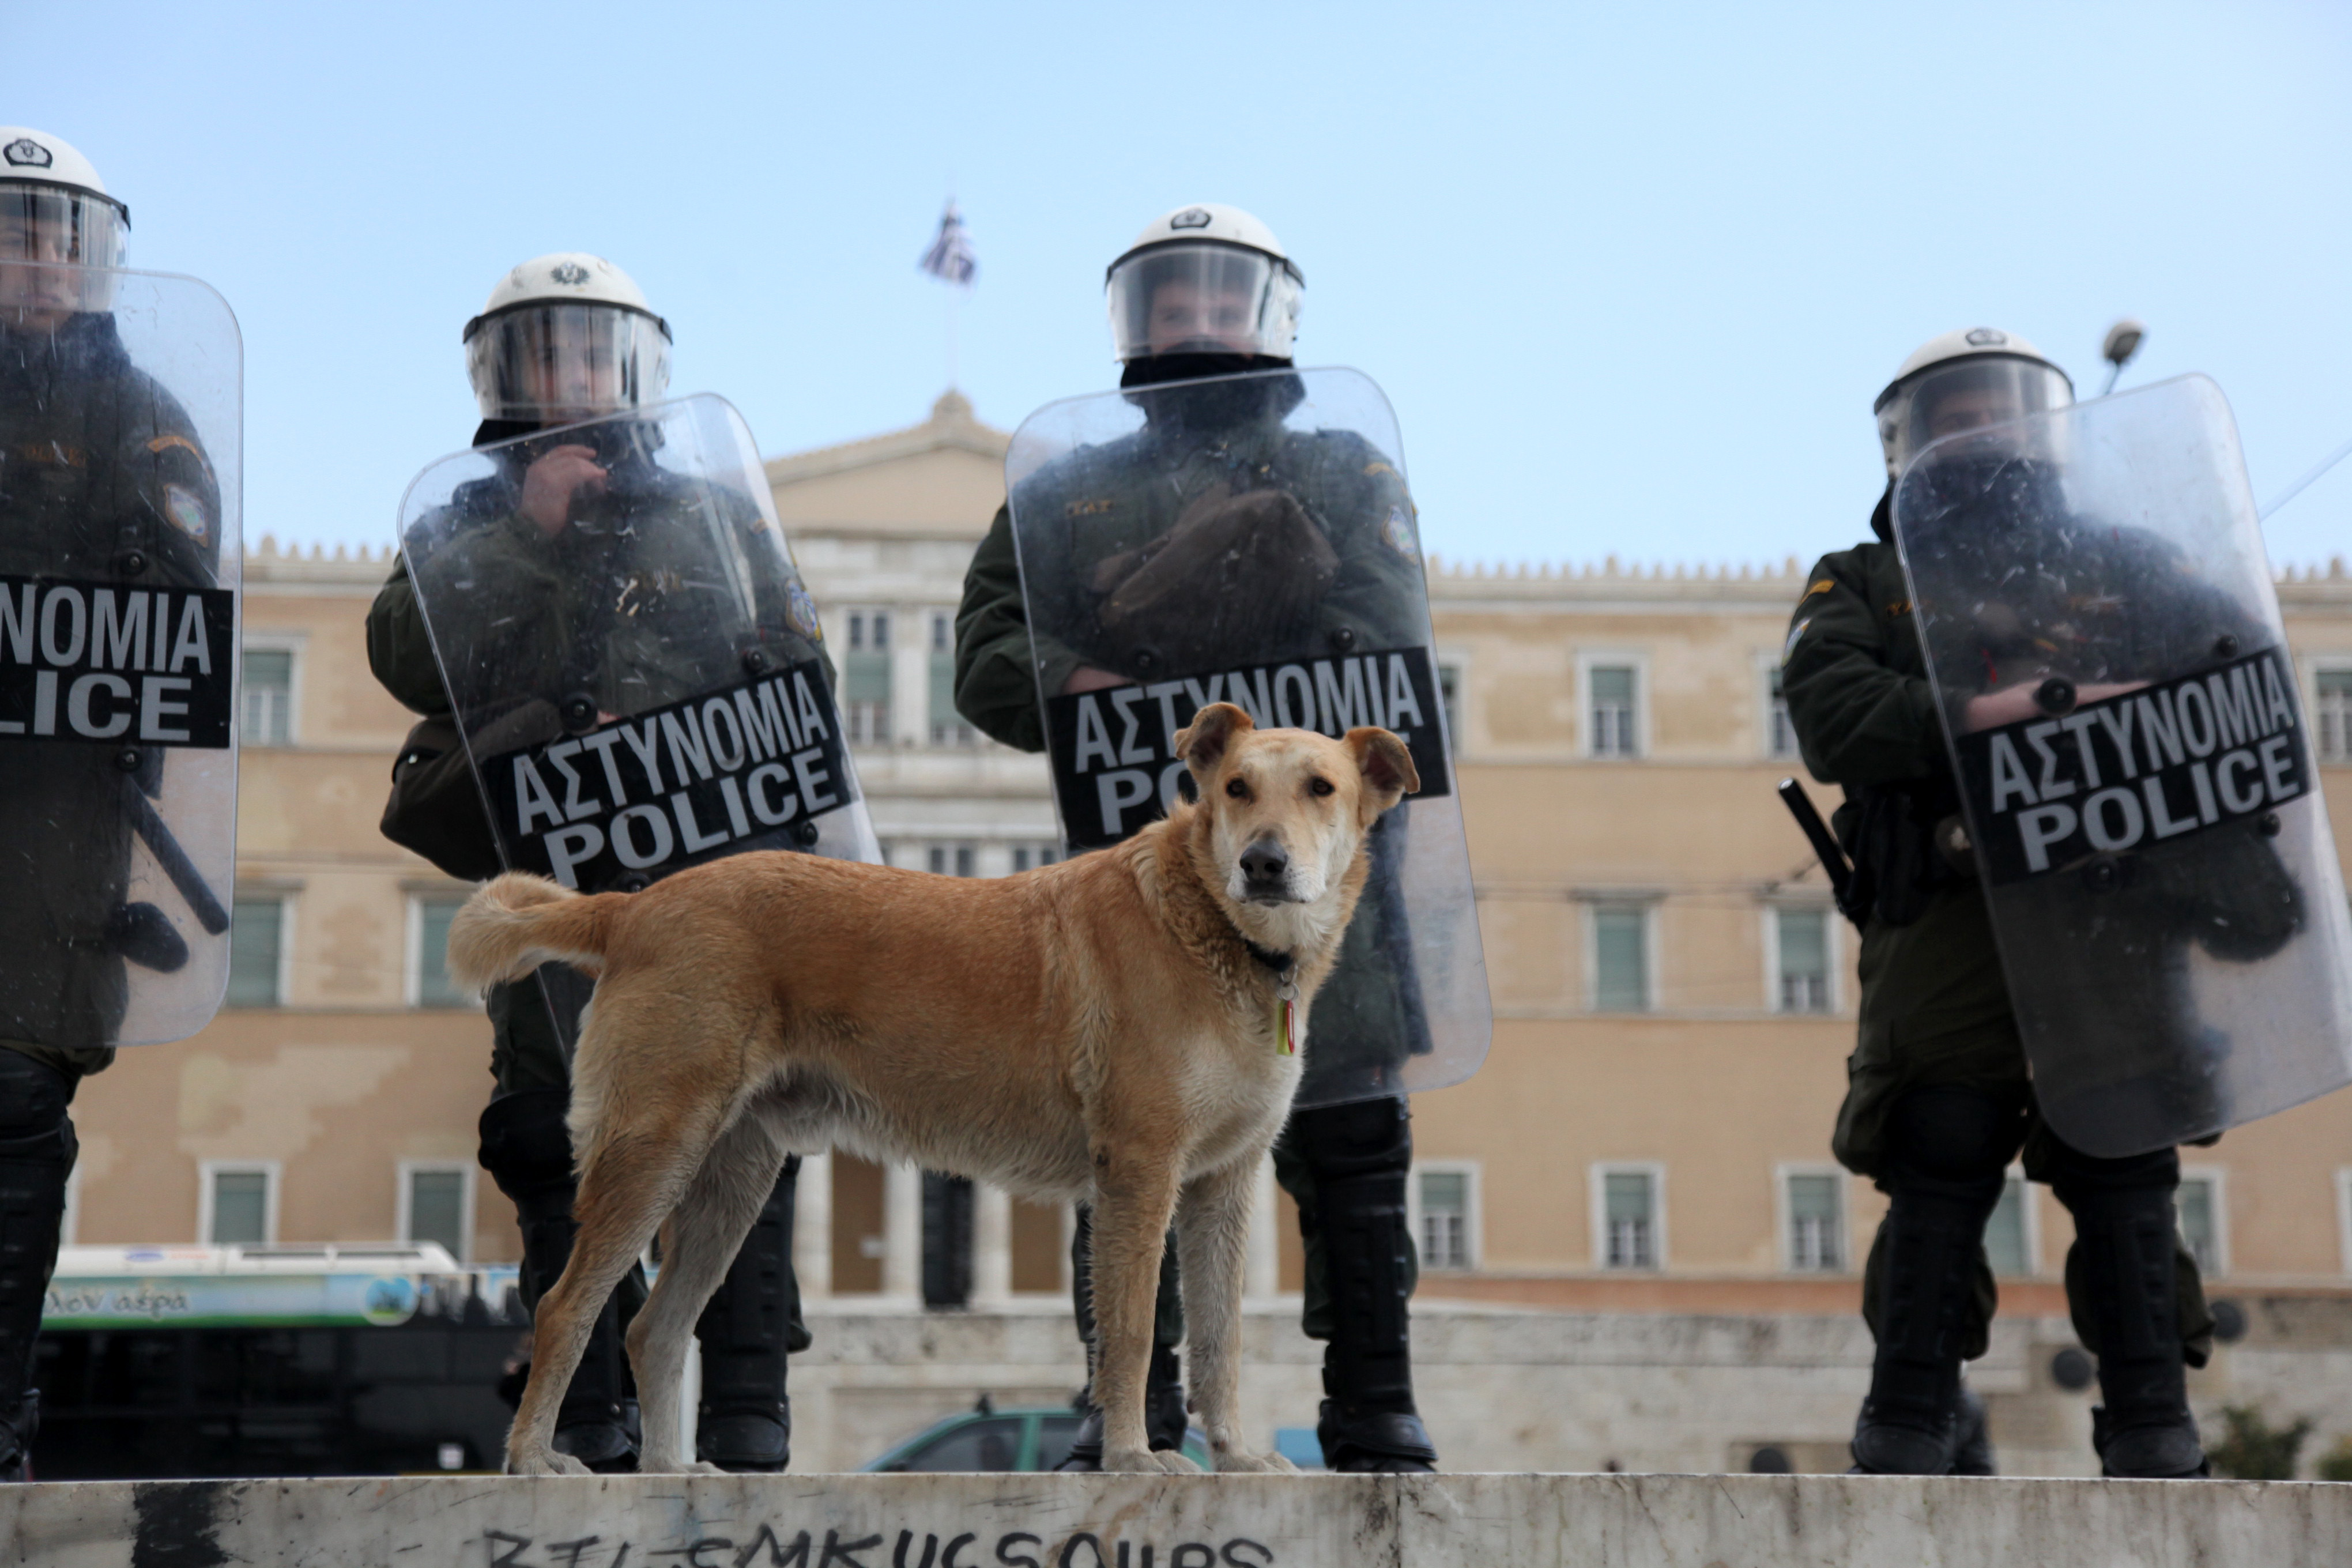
point(1800, 961)
point(268, 716)
point(1449, 691)
point(866, 678)
point(2204, 1221)
point(1029, 856)
point(1779, 734)
point(1630, 1217)
point(2009, 1240)
point(2335, 714)
point(1445, 1224)
point(1817, 1228)
point(240, 1202)
point(947, 728)
point(256, 953)
point(1621, 959)
point(437, 1203)
point(954, 860)
point(1613, 689)
point(429, 985)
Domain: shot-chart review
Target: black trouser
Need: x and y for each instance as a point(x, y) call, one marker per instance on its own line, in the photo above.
point(753, 1320)
point(1346, 1167)
point(36, 1155)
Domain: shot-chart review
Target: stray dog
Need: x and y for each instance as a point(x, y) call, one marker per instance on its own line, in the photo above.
point(1112, 1030)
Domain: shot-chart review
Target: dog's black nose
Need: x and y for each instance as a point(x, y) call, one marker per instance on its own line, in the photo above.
point(1265, 864)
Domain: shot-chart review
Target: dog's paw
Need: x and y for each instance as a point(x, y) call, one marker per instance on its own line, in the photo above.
point(1146, 1462)
point(1242, 1462)
point(544, 1462)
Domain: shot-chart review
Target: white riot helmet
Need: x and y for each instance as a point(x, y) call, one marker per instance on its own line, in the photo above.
point(1204, 279)
point(54, 208)
point(566, 337)
point(1961, 380)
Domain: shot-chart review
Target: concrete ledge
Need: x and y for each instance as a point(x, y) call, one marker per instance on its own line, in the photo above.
point(1233, 1521)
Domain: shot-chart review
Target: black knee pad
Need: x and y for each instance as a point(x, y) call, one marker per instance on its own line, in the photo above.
point(1950, 1134)
point(1362, 1137)
point(525, 1145)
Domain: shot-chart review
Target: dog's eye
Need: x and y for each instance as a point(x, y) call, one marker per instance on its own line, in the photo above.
point(1237, 789)
point(1318, 787)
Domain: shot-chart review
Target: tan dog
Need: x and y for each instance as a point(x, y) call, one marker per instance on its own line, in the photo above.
point(1098, 1031)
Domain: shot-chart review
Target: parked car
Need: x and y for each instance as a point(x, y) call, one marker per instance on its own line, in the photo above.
point(987, 1438)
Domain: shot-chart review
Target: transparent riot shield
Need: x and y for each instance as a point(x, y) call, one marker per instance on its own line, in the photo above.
point(634, 664)
point(1251, 540)
point(121, 396)
point(2135, 764)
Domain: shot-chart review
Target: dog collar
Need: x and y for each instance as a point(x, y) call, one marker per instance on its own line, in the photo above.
point(1279, 963)
point(1284, 966)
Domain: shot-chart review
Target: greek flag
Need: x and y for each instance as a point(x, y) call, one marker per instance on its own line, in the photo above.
point(950, 258)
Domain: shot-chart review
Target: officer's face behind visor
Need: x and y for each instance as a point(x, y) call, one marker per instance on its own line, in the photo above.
point(63, 230)
point(1961, 395)
point(562, 364)
point(1202, 297)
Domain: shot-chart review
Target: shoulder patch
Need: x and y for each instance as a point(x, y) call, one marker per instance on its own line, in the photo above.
point(1823, 586)
point(1398, 535)
point(1372, 469)
point(1795, 632)
point(185, 510)
point(800, 612)
point(173, 441)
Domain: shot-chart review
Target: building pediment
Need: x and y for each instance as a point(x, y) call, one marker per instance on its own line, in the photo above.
point(943, 478)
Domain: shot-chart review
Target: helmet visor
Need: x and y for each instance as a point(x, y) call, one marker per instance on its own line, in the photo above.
point(560, 364)
point(1964, 395)
point(73, 232)
point(1197, 296)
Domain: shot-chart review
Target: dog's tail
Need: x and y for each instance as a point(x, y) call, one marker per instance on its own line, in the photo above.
point(519, 922)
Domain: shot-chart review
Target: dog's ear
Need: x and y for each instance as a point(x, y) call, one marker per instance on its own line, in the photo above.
point(1210, 735)
point(1387, 766)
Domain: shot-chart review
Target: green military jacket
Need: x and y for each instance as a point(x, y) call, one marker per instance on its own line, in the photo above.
point(1107, 501)
point(1855, 679)
point(102, 478)
point(658, 588)
point(1103, 503)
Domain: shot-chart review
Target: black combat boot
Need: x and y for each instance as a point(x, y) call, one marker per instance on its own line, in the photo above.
point(1357, 1157)
point(2124, 1230)
point(1972, 1445)
point(37, 1154)
point(528, 1152)
point(745, 1420)
point(1164, 1415)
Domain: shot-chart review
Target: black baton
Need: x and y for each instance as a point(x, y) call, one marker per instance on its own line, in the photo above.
point(1824, 842)
point(150, 825)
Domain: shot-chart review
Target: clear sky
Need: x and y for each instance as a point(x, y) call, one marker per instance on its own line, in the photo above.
point(1632, 274)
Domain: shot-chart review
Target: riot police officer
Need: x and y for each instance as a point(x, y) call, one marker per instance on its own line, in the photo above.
point(1940, 1099)
point(1206, 291)
point(566, 339)
point(103, 477)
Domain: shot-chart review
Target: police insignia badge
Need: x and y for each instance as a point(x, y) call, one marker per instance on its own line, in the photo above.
point(799, 612)
point(185, 510)
point(24, 152)
point(1397, 533)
